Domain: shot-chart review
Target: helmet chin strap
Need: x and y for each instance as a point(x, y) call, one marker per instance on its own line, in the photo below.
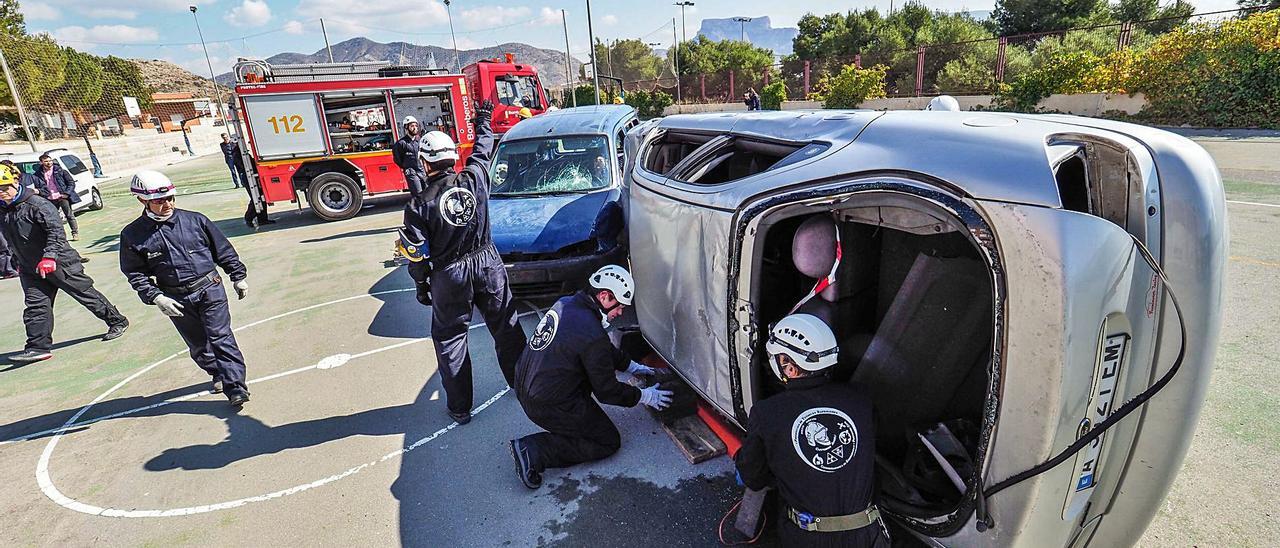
point(155, 217)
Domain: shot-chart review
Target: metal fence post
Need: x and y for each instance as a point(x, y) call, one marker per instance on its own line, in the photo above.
point(17, 101)
point(806, 80)
point(766, 76)
point(702, 82)
point(1004, 42)
point(731, 90)
point(920, 71)
point(857, 60)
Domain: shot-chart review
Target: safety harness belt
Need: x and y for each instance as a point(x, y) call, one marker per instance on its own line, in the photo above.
point(834, 524)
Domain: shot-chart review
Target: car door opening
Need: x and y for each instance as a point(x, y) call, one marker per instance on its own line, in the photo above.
point(911, 302)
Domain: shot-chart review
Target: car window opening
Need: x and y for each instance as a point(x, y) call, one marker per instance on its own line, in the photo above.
point(735, 159)
point(1100, 178)
point(672, 147)
point(568, 164)
point(912, 308)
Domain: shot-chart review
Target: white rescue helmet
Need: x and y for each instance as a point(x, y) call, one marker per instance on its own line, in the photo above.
point(409, 120)
point(617, 280)
point(437, 146)
point(152, 185)
point(806, 340)
point(944, 102)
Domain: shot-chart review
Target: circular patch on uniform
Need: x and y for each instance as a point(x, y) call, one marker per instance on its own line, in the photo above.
point(825, 438)
point(458, 206)
point(546, 331)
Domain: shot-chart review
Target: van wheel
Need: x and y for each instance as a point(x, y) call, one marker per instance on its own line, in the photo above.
point(335, 197)
point(95, 200)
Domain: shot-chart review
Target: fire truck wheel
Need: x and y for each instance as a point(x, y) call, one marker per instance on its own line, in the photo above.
point(334, 196)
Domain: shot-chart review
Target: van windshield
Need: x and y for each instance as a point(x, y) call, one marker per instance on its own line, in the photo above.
point(551, 165)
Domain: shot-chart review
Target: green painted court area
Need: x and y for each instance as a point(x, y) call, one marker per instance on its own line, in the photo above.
point(346, 441)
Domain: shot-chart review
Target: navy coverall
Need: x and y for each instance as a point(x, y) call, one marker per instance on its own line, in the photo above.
point(464, 270)
point(405, 154)
point(570, 358)
point(230, 154)
point(167, 257)
point(34, 232)
point(816, 443)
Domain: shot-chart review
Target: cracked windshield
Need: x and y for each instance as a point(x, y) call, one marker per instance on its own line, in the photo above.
point(551, 166)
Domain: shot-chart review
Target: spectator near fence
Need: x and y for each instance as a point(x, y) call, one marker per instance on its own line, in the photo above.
point(59, 187)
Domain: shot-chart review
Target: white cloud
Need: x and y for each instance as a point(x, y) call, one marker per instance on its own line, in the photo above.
point(250, 13)
point(354, 18)
point(609, 20)
point(33, 11)
point(294, 27)
point(493, 16)
point(111, 13)
point(111, 34)
point(548, 16)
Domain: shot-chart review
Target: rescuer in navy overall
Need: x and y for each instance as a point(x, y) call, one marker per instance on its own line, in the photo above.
point(457, 266)
point(46, 264)
point(170, 257)
point(568, 360)
point(405, 154)
point(814, 442)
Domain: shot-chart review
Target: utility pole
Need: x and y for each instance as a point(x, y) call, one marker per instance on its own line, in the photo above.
point(684, 27)
point(568, 64)
point(676, 56)
point(742, 22)
point(217, 96)
point(326, 41)
point(17, 102)
point(595, 69)
point(449, 13)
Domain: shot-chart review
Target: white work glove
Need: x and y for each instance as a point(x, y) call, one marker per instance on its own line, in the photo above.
point(168, 306)
point(242, 289)
point(655, 397)
point(640, 369)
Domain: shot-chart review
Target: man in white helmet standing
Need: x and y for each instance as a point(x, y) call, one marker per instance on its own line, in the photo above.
point(569, 360)
point(405, 154)
point(170, 257)
point(46, 264)
point(814, 442)
point(461, 270)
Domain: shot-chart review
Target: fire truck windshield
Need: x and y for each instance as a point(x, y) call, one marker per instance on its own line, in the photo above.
point(553, 165)
point(518, 91)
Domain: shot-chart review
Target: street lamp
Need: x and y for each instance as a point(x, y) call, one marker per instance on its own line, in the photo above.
point(212, 78)
point(684, 28)
point(449, 12)
point(742, 22)
point(595, 68)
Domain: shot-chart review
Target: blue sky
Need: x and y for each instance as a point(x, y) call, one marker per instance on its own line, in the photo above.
point(164, 29)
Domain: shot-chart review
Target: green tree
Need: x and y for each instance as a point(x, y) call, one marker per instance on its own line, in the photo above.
point(851, 86)
point(1135, 10)
point(38, 65)
point(121, 78)
point(11, 21)
point(773, 95)
point(631, 60)
point(714, 60)
point(1023, 16)
point(1264, 4)
point(84, 81)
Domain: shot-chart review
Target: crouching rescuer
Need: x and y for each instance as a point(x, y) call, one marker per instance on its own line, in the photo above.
point(814, 443)
point(454, 263)
point(569, 359)
point(170, 257)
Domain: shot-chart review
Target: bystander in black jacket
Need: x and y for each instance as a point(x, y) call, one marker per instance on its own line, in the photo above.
point(405, 154)
point(64, 181)
point(34, 231)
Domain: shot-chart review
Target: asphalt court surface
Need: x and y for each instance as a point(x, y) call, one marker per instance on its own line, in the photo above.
point(346, 440)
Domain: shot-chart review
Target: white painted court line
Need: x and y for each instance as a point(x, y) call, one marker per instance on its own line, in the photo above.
point(44, 479)
point(1252, 203)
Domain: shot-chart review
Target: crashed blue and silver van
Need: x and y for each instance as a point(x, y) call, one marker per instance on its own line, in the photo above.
point(1036, 295)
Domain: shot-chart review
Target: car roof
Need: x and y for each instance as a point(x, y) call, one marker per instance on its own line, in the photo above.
point(32, 156)
point(594, 119)
point(987, 155)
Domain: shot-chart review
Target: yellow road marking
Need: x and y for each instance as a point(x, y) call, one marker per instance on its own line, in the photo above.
point(1251, 260)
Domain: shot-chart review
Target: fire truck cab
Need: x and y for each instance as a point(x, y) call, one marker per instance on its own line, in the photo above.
point(510, 85)
point(325, 131)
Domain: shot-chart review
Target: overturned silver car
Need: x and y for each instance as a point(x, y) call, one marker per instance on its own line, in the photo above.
point(997, 280)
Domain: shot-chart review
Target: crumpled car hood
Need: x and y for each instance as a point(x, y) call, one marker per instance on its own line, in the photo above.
point(543, 224)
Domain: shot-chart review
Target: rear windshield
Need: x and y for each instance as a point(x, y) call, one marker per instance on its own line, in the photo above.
point(551, 165)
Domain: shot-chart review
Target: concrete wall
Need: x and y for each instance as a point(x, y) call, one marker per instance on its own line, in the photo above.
point(1084, 104)
point(136, 150)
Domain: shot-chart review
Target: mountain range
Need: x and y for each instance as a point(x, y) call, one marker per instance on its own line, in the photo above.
point(550, 63)
point(759, 31)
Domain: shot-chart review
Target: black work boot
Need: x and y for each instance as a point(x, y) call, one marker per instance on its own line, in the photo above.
point(31, 356)
point(217, 387)
point(115, 331)
point(237, 396)
point(524, 465)
point(461, 418)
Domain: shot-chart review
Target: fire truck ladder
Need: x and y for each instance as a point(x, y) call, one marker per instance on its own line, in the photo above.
point(257, 70)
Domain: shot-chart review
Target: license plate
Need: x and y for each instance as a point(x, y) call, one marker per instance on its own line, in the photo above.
point(1101, 403)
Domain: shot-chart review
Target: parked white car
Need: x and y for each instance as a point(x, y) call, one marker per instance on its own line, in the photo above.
point(86, 185)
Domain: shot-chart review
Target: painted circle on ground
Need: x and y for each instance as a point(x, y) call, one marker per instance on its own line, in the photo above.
point(45, 480)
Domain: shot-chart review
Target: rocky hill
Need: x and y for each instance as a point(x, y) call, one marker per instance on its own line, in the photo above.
point(550, 63)
point(166, 77)
point(759, 31)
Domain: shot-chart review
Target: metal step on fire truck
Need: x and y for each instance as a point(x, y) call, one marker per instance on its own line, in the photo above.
point(324, 131)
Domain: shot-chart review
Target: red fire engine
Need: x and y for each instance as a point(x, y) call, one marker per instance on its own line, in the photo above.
point(324, 131)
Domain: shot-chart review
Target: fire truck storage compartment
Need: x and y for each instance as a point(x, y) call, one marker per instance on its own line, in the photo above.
point(284, 126)
point(357, 121)
point(912, 312)
point(432, 109)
